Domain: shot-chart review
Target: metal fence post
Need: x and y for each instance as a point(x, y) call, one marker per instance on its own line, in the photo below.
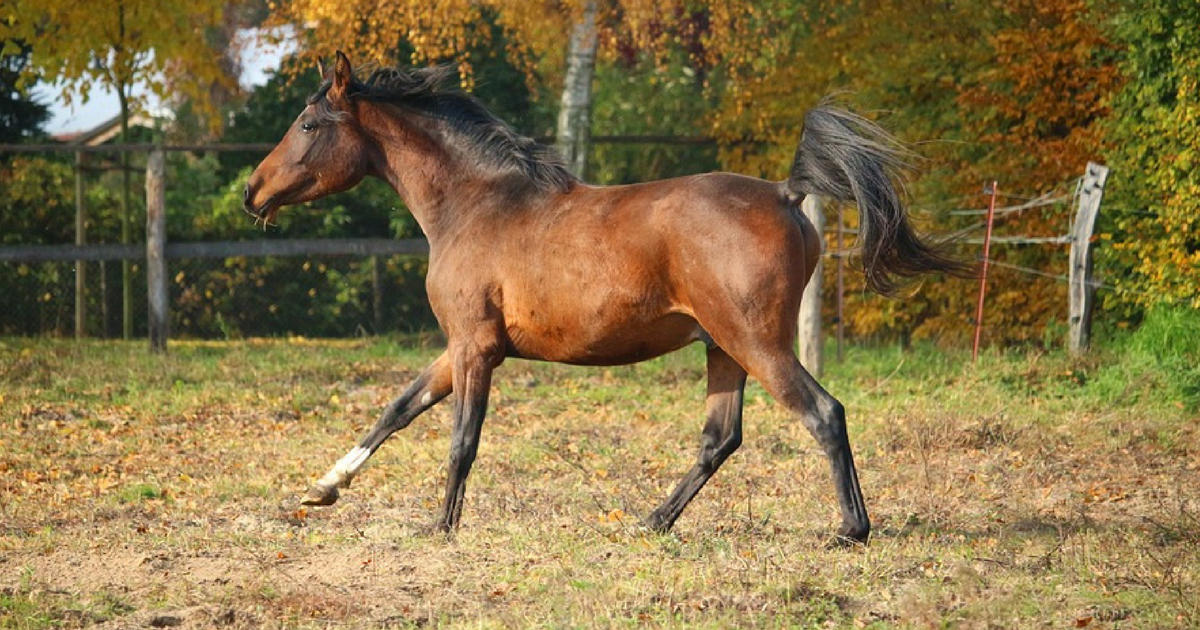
point(80, 239)
point(841, 286)
point(987, 246)
point(377, 264)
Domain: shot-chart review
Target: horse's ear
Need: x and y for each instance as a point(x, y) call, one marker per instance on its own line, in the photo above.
point(342, 76)
point(321, 67)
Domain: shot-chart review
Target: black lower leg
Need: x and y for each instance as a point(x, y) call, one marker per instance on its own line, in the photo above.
point(427, 390)
point(722, 436)
point(430, 388)
point(825, 419)
point(472, 378)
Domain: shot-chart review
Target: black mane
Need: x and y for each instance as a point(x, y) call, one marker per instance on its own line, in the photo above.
point(489, 140)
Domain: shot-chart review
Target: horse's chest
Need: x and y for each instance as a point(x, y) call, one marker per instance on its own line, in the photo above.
point(460, 294)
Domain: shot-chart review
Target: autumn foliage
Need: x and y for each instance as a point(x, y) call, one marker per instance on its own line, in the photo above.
point(163, 45)
point(1155, 137)
point(1020, 92)
point(1014, 92)
point(1024, 92)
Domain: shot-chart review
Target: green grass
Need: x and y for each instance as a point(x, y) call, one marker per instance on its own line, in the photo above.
point(1031, 489)
point(25, 607)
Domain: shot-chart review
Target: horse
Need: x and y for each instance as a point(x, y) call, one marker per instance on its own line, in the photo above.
point(527, 261)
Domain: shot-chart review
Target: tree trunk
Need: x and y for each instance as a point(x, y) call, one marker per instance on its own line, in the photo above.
point(575, 114)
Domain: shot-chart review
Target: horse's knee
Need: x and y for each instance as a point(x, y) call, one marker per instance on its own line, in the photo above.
point(715, 452)
point(827, 422)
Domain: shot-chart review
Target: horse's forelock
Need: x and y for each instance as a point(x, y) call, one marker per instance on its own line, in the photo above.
point(322, 109)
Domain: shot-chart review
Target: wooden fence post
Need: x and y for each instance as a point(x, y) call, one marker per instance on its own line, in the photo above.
point(1082, 292)
point(810, 302)
point(156, 244)
point(80, 239)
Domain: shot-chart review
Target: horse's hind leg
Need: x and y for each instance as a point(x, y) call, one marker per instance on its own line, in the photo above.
point(431, 386)
point(722, 435)
point(825, 418)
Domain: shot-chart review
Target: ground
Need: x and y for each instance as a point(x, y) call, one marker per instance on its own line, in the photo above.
point(1029, 490)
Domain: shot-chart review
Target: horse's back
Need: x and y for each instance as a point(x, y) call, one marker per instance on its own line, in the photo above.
point(624, 273)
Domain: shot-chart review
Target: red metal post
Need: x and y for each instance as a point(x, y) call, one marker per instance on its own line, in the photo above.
point(987, 242)
point(841, 304)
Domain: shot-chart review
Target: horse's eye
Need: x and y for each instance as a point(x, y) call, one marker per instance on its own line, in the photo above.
point(307, 127)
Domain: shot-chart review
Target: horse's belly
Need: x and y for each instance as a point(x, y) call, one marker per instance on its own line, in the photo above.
point(584, 342)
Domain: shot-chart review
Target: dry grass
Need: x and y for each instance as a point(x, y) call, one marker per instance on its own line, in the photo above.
point(1028, 492)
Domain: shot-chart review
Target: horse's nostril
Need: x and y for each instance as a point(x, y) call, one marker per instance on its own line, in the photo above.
point(246, 194)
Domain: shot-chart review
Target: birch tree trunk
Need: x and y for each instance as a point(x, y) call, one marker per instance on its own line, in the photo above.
point(575, 113)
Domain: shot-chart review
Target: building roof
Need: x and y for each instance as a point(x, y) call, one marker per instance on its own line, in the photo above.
point(105, 131)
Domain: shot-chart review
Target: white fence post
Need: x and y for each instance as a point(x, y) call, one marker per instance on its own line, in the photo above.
point(810, 303)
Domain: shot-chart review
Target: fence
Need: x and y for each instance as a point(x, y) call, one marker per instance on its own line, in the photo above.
point(373, 269)
point(378, 282)
point(1088, 194)
point(54, 288)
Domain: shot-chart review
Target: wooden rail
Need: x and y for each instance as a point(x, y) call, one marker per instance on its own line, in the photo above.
point(219, 249)
point(265, 147)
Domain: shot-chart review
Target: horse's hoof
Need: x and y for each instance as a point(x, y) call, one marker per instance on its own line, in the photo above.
point(848, 537)
point(439, 528)
point(657, 524)
point(320, 495)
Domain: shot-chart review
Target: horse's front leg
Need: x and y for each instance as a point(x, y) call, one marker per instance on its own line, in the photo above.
point(473, 365)
point(430, 387)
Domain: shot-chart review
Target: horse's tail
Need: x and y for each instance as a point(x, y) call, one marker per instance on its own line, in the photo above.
point(849, 158)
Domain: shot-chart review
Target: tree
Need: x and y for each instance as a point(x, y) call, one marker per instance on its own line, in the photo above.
point(1155, 148)
point(21, 117)
point(121, 44)
point(1014, 91)
point(574, 115)
point(374, 30)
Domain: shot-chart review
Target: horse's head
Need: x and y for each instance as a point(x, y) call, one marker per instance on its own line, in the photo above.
point(325, 151)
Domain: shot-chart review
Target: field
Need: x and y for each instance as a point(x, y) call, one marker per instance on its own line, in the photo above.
point(1029, 490)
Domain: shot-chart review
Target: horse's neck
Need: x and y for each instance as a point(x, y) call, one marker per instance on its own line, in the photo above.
point(419, 166)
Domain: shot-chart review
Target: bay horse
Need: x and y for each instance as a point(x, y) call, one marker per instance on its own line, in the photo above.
point(528, 261)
